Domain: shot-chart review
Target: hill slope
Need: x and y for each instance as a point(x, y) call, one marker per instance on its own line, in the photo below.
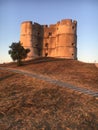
point(32, 104)
point(70, 71)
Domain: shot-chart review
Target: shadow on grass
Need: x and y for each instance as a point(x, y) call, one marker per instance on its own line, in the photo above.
point(7, 76)
point(43, 59)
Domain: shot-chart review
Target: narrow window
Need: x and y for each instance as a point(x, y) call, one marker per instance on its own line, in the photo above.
point(46, 54)
point(38, 33)
point(46, 44)
point(50, 34)
point(73, 44)
point(73, 27)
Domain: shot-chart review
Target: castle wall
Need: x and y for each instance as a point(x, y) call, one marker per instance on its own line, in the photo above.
point(56, 40)
point(37, 39)
point(49, 41)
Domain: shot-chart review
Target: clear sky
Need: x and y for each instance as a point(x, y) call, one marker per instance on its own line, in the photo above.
point(13, 12)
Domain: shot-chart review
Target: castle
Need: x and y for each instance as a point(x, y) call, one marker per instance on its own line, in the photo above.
point(56, 40)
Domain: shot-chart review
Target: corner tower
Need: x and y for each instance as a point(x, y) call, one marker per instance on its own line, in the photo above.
point(26, 37)
point(31, 37)
point(66, 39)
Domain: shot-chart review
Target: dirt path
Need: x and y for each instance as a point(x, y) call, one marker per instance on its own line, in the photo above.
point(53, 81)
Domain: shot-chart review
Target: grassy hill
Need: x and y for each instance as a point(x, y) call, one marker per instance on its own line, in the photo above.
point(30, 104)
point(70, 71)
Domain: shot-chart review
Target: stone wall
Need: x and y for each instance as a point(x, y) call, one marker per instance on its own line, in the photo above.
point(55, 40)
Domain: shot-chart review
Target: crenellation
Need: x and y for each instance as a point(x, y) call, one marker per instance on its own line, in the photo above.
point(52, 25)
point(36, 24)
point(45, 26)
point(66, 21)
point(75, 22)
point(58, 23)
point(25, 22)
point(55, 40)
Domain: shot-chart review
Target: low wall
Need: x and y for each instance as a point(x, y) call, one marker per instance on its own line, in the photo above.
point(96, 64)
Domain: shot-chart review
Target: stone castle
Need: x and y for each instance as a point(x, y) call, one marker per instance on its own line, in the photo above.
point(56, 40)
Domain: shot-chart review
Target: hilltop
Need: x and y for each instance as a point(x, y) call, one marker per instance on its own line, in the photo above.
point(33, 104)
point(71, 71)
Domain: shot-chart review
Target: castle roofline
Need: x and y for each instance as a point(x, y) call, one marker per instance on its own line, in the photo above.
point(26, 22)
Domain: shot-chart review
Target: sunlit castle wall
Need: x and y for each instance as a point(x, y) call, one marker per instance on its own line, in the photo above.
point(26, 37)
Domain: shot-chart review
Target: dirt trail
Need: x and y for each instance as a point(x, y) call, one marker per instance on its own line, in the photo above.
point(53, 81)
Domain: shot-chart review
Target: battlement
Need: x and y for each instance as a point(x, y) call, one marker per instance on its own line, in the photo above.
point(54, 40)
point(45, 26)
point(25, 22)
point(52, 25)
point(66, 21)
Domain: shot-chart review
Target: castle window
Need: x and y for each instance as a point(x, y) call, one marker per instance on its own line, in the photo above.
point(46, 44)
point(46, 54)
point(73, 44)
point(38, 33)
point(73, 27)
point(50, 34)
point(72, 54)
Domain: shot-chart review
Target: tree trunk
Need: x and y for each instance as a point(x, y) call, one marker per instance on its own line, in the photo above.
point(19, 62)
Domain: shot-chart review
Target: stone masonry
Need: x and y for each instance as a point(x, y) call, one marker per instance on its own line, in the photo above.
point(56, 40)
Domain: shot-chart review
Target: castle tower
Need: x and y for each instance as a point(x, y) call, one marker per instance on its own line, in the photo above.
point(66, 40)
point(26, 37)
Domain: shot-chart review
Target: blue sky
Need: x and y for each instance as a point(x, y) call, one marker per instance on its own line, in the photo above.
point(13, 12)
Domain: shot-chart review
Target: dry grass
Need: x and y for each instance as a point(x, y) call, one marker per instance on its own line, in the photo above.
point(71, 71)
point(31, 104)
